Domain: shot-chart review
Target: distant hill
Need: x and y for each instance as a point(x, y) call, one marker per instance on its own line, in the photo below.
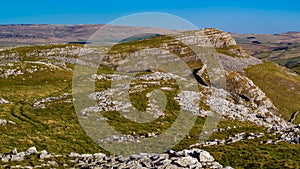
point(33, 34)
point(38, 34)
point(283, 49)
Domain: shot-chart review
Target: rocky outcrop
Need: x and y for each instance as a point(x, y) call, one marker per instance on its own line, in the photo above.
point(12, 70)
point(245, 92)
point(15, 156)
point(194, 158)
point(224, 43)
point(289, 134)
point(229, 139)
point(42, 102)
point(218, 38)
point(242, 101)
point(18, 54)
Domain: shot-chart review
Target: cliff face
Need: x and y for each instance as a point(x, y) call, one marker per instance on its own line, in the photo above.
point(224, 43)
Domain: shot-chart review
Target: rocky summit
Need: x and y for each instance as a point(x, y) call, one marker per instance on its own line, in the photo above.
point(254, 111)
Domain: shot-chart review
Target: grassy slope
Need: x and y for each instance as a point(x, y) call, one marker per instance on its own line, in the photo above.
point(292, 63)
point(57, 130)
point(54, 128)
point(281, 85)
point(296, 68)
point(251, 154)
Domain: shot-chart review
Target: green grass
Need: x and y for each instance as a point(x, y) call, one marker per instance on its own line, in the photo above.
point(54, 128)
point(57, 129)
point(292, 63)
point(281, 85)
point(296, 68)
point(251, 154)
point(227, 51)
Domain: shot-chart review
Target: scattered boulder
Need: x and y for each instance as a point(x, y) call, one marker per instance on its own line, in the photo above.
point(3, 101)
point(290, 135)
point(206, 157)
point(31, 150)
point(44, 154)
point(5, 122)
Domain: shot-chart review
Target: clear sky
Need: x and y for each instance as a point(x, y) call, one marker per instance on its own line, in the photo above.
point(244, 16)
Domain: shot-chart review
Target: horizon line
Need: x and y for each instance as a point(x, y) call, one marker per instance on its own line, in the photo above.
point(100, 24)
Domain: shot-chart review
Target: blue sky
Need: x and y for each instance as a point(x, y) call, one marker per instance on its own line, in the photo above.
point(256, 16)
